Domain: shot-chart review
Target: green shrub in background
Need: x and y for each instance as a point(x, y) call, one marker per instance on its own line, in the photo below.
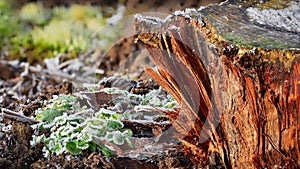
point(68, 30)
point(58, 36)
point(34, 13)
point(77, 12)
point(9, 26)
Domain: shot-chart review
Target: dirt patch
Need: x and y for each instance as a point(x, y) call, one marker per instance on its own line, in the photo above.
point(16, 151)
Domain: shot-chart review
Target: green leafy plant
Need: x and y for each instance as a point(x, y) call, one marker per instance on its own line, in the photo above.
point(107, 125)
point(74, 133)
point(56, 107)
point(71, 131)
point(77, 12)
point(155, 98)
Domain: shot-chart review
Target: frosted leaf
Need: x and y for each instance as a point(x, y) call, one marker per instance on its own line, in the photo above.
point(118, 138)
point(155, 102)
point(82, 145)
point(127, 133)
point(109, 136)
point(104, 113)
point(114, 90)
point(37, 139)
point(60, 121)
point(96, 122)
point(114, 125)
point(67, 130)
point(47, 125)
point(73, 123)
point(46, 152)
point(51, 145)
point(90, 130)
point(170, 104)
point(85, 136)
point(58, 148)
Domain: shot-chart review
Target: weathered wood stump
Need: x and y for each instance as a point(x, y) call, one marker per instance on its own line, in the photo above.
point(236, 75)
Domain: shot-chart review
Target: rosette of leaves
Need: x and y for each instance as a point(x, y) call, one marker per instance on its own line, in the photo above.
point(74, 134)
point(66, 136)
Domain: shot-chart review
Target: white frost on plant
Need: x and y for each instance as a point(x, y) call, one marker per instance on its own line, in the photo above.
point(114, 90)
point(37, 139)
point(118, 138)
point(105, 111)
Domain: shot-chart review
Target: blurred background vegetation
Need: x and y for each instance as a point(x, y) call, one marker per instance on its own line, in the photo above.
point(32, 31)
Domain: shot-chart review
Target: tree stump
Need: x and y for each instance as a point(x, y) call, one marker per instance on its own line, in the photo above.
point(234, 68)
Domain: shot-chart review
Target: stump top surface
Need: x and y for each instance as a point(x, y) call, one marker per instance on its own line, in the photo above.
point(250, 24)
point(258, 25)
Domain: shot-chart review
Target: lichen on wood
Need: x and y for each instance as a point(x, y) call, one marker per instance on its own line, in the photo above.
point(250, 26)
point(240, 98)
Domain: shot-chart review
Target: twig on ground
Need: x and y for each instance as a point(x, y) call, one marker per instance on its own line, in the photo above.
point(6, 113)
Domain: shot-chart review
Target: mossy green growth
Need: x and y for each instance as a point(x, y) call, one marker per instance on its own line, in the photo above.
point(247, 41)
point(274, 4)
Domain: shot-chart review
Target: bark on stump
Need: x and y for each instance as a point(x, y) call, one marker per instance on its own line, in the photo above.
point(237, 79)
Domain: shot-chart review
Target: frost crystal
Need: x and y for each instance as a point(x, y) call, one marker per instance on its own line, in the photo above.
point(173, 27)
point(151, 19)
point(187, 13)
